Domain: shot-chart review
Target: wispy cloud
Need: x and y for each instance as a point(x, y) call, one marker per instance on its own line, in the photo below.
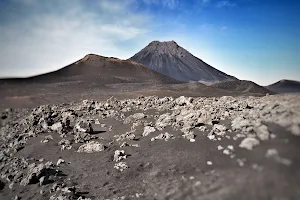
point(225, 3)
point(47, 36)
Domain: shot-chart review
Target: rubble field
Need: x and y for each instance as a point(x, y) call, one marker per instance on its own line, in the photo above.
point(206, 148)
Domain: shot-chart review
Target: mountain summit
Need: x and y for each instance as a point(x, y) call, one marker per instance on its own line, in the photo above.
point(172, 60)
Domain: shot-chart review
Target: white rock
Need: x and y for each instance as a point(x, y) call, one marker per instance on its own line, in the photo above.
point(60, 161)
point(56, 126)
point(189, 135)
point(91, 147)
point(119, 155)
point(211, 135)
point(209, 163)
point(249, 143)
point(272, 136)
point(262, 132)
point(230, 147)
point(163, 136)
point(47, 139)
point(182, 100)
point(121, 166)
point(271, 153)
point(148, 130)
point(295, 129)
point(219, 129)
point(163, 121)
point(226, 151)
point(202, 128)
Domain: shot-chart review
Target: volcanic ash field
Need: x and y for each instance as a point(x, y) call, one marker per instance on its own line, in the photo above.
point(153, 148)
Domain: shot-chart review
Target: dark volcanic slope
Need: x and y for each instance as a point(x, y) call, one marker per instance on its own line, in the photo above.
point(99, 69)
point(285, 86)
point(91, 77)
point(242, 86)
point(172, 60)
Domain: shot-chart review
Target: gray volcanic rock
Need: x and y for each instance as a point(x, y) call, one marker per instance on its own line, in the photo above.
point(285, 86)
point(172, 60)
point(248, 142)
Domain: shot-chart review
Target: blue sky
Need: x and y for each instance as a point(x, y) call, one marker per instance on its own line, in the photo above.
point(256, 40)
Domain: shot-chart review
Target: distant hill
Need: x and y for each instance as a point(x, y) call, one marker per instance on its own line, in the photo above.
point(93, 76)
point(98, 77)
point(285, 86)
point(174, 61)
point(98, 69)
point(242, 86)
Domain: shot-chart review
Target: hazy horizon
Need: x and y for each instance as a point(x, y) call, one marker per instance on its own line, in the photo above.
point(248, 39)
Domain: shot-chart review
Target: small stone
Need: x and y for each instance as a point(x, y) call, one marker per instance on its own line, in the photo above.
point(42, 180)
point(83, 126)
point(148, 130)
point(240, 162)
point(121, 166)
point(295, 129)
point(230, 147)
point(209, 163)
point(249, 143)
point(56, 127)
point(119, 155)
point(192, 140)
point(219, 129)
point(135, 145)
point(271, 153)
point(163, 136)
point(17, 197)
point(11, 185)
point(189, 135)
point(91, 147)
point(127, 135)
point(202, 128)
point(226, 152)
point(47, 139)
point(124, 144)
point(262, 132)
point(60, 161)
point(272, 136)
point(220, 147)
point(198, 183)
point(211, 136)
point(65, 144)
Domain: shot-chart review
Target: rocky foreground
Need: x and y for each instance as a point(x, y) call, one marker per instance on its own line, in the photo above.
point(153, 148)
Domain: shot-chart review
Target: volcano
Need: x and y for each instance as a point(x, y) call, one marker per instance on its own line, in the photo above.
point(174, 61)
